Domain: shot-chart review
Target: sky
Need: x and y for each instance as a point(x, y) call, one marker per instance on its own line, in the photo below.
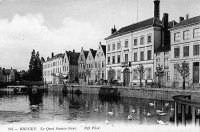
point(58, 25)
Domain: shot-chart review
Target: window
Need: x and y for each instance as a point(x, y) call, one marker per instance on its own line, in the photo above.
point(119, 74)
point(113, 46)
point(176, 74)
point(102, 74)
point(148, 73)
point(118, 45)
point(141, 40)
point(196, 32)
point(126, 43)
point(149, 55)
point(149, 39)
point(102, 63)
point(166, 63)
point(118, 58)
point(135, 42)
point(135, 57)
point(196, 50)
point(176, 52)
point(108, 47)
point(142, 55)
point(168, 76)
point(185, 51)
point(126, 57)
point(108, 60)
point(134, 74)
point(177, 36)
point(185, 35)
point(113, 59)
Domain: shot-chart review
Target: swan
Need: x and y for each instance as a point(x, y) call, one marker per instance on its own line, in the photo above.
point(96, 110)
point(166, 104)
point(159, 111)
point(148, 114)
point(133, 111)
point(198, 111)
point(172, 108)
point(152, 104)
point(163, 123)
point(107, 122)
point(130, 117)
point(162, 114)
point(110, 113)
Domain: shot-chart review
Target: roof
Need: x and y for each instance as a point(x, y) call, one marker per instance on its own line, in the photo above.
point(8, 71)
point(93, 52)
point(189, 21)
point(85, 53)
point(104, 49)
point(56, 56)
point(137, 26)
point(73, 57)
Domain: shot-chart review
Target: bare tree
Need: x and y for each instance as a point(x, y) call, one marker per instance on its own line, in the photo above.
point(184, 71)
point(141, 71)
point(111, 75)
point(159, 73)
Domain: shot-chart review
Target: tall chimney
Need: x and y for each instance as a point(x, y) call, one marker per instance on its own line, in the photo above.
point(165, 20)
point(187, 16)
point(181, 19)
point(73, 51)
point(157, 9)
point(113, 30)
point(52, 55)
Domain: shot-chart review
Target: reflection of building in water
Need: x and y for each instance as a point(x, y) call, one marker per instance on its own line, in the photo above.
point(121, 107)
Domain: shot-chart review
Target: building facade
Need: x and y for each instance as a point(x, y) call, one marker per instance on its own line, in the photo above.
point(185, 42)
point(52, 69)
point(70, 66)
point(100, 63)
point(82, 66)
point(90, 67)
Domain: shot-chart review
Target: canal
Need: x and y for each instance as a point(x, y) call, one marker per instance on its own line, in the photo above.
point(54, 106)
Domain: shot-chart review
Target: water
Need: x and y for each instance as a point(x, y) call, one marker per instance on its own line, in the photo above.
point(86, 108)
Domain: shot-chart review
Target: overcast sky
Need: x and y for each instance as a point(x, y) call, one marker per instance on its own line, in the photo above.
point(58, 25)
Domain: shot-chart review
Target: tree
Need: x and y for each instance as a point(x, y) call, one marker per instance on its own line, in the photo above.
point(159, 73)
point(141, 71)
point(35, 67)
point(184, 71)
point(111, 75)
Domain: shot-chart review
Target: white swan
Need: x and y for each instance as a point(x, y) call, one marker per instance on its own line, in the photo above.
point(148, 114)
point(166, 104)
point(163, 123)
point(159, 111)
point(198, 111)
point(172, 108)
point(152, 104)
point(162, 114)
point(110, 113)
point(96, 110)
point(133, 111)
point(130, 117)
point(107, 122)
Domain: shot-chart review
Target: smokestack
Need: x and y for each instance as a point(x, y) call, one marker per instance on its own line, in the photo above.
point(113, 30)
point(157, 9)
point(181, 19)
point(187, 16)
point(73, 51)
point(52, 55)
point(165, 20)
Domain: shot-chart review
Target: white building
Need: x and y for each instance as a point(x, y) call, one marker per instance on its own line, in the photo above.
point(52, 69)
point(185, 42)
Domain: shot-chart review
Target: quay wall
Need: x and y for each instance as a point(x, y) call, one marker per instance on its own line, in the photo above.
point(148, 93)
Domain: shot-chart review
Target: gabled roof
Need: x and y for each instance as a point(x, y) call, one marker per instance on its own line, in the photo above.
point(85, 53)
point(73, 57)
point(104, 49)
point(8, 71)
point(56, 56)
point(93, 52)
point(137, 26)
point(189, 21)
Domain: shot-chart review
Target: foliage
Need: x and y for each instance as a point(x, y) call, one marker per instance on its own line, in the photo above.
point(35, 67)
point(111, 75)
point(184, 71)
point(141, 70)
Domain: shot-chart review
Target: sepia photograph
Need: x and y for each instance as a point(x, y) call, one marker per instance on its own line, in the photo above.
point(99, 65)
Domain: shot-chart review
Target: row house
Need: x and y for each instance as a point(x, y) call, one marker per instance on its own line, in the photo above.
point(53, 68)
point(7, 75)
point(70, 66)
point(100, 63)
point(90, 66)
point(133, 45)
point(185, 42)
point(82, 66)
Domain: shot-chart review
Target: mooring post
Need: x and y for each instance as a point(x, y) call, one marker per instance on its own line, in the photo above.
point(176, 114)
point(183, 114)
point(193, 116)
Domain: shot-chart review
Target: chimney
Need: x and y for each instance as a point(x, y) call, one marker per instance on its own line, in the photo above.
point(165, 20)
point(113, 30)
point(73, 51)
point(181, 19)
point(52, 55)
point(187, 16)
point(157, 9)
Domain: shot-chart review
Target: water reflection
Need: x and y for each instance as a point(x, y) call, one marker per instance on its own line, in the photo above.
point(40, 106)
